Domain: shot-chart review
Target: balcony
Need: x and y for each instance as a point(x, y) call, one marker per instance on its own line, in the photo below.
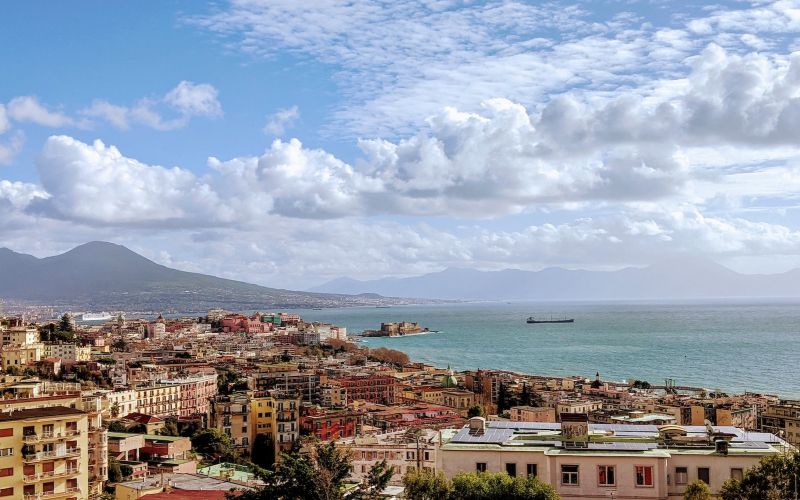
point(44, 476)
point(49, 436)
point(46, 455)
point(53, 494)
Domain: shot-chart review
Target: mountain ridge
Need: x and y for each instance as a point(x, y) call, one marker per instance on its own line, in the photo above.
point(102, 275)
point(690, 277)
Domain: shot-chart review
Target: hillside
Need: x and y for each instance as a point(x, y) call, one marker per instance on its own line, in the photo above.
point(100, 275)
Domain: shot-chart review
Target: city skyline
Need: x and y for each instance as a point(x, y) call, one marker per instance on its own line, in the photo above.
point(288, 144)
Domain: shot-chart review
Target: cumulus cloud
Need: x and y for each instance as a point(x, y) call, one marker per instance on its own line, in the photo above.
point(278, 122)
point(29, 109)
point(172, 111)
point(96, 183)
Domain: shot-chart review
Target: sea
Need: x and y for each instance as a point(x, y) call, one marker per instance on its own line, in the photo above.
point(728, 345)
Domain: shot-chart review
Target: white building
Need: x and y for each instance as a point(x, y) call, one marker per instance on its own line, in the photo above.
point(582, 460)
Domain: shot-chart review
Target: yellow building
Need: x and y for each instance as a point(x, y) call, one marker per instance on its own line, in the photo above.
point(21, 356)
point(36, 395)
point(44, 452)
point(277, 416)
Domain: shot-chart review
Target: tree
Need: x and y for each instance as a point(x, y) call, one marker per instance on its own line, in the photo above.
point(475, 411)
point(488, 486)
point(502, 399)
point(114, 410)
point(697, 490)
point(263, 451)
point(65, 325)
point(117, 426)
point(379, 476)
point(318, 474)
point(114, 471)
point(426, 485)
point(774, 477)
point(170, 429)
point(212, 443)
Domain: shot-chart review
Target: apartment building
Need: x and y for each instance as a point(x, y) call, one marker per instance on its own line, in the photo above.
point(582, 460)
point(231, 415)
point(44, 452)
point(67, 352)
point(161, 400)
point(276, 415)
point(783, 419)
point(370, 388)
point(399, 449)
point(532, 414)
point(194, 393)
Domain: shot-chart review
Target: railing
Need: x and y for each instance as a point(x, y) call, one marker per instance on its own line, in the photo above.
point(42, 455)
point(48, 436)
point(30, 478)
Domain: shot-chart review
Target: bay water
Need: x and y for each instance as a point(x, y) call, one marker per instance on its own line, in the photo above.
point(732, 345)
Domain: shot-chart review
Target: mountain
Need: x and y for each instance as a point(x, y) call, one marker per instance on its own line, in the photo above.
point(106, 276)
point(670, 279)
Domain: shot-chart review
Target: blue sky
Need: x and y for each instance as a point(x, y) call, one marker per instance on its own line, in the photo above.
point(288, 143)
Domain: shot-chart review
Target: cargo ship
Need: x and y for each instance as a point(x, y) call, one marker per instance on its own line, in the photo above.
point(532, 319)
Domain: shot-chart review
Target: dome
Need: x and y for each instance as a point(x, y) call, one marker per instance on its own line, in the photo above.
point(449, 380)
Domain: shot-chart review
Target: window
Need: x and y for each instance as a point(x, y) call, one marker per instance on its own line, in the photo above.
point(681, 475)
point(480, 466)
point(511, 470)
point(704, 474)
point(605, 475)
point(737, 474)
point(644, 475)
point(7, 492)
point(532, 470)
point(569, 474)
point(6, 452)
point(7, 472)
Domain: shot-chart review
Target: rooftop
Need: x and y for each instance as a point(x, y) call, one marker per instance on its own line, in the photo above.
point(195, 482)
point(617, 437)
point(52, 411)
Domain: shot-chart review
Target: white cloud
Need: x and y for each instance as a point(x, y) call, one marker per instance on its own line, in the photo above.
point(192, 99)
point(11, 146)
point(5, 124)
point(278, 122)
point(172, 111)
point(97, 184)
point(29, 109)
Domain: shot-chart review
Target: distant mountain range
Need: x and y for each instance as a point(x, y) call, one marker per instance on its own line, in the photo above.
point(105, 276)
point(672, 279)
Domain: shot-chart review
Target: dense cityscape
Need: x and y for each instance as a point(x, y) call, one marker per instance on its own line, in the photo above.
point(229, 404)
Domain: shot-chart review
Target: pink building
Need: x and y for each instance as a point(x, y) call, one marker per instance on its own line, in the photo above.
point(194, 393)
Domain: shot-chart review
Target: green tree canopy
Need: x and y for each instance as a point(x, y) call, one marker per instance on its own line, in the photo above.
point(378, 478)
point(774, 477)
point(475, 411)
point(212, 443)
point(315, 475)
point(489, 486)
point(426, 485)
point(697, 490)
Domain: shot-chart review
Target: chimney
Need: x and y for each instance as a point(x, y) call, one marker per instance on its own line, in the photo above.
point(477, 426)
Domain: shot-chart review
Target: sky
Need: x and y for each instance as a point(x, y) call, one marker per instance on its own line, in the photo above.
point(289, 143)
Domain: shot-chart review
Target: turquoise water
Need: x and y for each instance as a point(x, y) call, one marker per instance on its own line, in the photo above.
point(731, 345)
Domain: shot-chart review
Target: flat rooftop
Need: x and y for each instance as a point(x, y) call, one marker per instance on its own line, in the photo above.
point(615, 437)
point(183, 482)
